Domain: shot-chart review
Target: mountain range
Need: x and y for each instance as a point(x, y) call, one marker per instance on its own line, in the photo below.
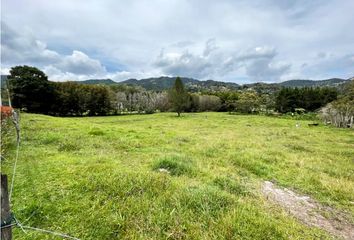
point(333, 82)
point(194, 85)
point(164, 83)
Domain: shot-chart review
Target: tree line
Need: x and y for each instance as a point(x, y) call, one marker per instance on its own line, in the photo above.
point(310, 99)
point(33, 92)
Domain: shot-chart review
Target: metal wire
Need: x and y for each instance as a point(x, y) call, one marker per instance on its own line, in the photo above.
point(15, 120)
point(50, 232)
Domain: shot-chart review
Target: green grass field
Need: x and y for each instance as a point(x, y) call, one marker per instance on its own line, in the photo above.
point(99, 178)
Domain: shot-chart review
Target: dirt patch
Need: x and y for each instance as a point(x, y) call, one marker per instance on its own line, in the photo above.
point(309, 211)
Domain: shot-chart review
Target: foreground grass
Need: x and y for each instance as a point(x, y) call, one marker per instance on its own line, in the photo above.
point(99, 178)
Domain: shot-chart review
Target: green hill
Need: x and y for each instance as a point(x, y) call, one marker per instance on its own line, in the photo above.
point(163, 83)
point(99, 81)
point(332, 82)
point(195, 85)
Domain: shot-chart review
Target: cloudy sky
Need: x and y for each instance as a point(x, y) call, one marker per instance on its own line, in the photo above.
point(240, 41)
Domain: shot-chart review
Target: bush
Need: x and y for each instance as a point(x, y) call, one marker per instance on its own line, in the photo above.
point(340, 113)
point(248, 102)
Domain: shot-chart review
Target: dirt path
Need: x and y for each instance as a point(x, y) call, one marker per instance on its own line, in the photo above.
point(309, 211)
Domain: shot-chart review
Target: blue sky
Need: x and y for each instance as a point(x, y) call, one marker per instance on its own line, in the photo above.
point(227, 40)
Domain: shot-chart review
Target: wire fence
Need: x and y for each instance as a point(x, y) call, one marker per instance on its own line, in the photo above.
point(13, 221)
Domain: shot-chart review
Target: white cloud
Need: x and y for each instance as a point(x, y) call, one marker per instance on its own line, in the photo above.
point(20, 49)
point(258, 63)
point(79, 63)
point(266, 71)
point(210, 46)
point(184, 64)
point(17, 48)
point(125, 37)
point(4, 71)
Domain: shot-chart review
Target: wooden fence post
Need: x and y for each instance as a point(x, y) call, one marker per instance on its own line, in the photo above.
point(6, 217)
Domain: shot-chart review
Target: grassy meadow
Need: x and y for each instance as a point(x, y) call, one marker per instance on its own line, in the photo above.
point(104, 177)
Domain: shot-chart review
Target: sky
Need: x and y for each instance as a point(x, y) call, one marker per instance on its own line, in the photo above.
point(226, 40)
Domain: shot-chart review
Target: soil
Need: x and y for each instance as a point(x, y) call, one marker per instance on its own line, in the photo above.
point(310, 212)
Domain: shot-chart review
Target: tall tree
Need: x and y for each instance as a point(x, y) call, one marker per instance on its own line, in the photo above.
point(31, 89)
point(248, 102)
point(179, 97)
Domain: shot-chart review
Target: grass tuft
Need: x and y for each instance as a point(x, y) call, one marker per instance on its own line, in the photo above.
point(50, 139)
point(96, 132)
point(231, 185)
point(206, 200)
point(176, 165)
point(68, 147)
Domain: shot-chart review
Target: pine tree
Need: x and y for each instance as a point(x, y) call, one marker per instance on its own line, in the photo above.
point(179, 97)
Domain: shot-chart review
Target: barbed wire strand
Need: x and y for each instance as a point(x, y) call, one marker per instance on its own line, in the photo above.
point(19, 224)
point(9, 225)
point(15, 120)
point(51, 232)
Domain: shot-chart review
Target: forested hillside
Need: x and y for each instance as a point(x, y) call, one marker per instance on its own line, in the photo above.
point(195, 85)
